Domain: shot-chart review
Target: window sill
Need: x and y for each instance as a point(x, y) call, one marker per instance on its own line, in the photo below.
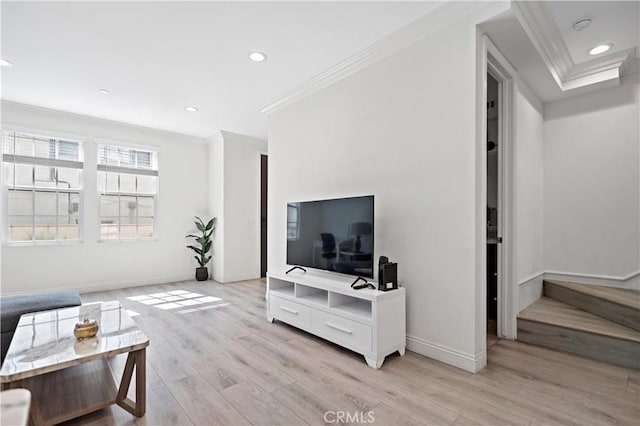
point(128, 240)
point(42, 243)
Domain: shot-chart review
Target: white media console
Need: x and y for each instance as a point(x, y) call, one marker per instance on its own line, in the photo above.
point(369, 322)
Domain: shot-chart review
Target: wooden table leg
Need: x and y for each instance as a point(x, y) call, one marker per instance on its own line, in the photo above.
point(137, 359)
point(141, 383)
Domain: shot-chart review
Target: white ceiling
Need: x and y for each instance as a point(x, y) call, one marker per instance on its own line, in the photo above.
point(158, 57)
point(616, 22)
point(507, 34)
point(612, 22)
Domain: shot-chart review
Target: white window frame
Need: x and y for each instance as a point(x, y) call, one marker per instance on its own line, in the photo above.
point(104, 168)
point(40, 161)
point(297, 222)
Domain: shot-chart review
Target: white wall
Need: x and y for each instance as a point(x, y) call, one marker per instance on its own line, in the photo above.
point(592, 184)
point(242, 206)
point(235, 191)
point(98, 265)
point(403, 129)
point(528, 196)
point(216, 204)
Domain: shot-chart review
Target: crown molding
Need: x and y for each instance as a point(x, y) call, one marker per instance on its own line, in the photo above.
point(606, 69)
point(632, 65)
point(547, 39)
point(95, 122)
point(615, 60)
point(545, 36)
point(439, 17)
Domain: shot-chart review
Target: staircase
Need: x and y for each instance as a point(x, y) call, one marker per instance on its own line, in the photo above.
point(592, 321)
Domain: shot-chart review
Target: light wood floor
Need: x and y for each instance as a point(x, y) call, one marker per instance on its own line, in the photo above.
point(225, 364)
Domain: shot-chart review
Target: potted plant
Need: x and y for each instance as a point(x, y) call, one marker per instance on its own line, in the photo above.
point(203, 246)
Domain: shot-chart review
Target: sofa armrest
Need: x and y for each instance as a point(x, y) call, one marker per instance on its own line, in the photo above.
point(13, 307)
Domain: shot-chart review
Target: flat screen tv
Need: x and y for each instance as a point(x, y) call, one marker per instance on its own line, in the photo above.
point(334, 235)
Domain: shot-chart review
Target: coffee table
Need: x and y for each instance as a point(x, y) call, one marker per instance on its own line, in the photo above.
point(70, 378)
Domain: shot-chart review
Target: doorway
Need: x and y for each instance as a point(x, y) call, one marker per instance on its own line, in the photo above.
point(263, 214)
point(496, 187)
point(494, 198)
point(495, 65)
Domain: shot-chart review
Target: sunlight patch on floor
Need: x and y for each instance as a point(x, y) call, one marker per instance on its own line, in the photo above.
point(177, 299)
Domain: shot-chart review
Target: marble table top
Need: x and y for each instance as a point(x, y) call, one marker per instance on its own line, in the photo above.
point(44, 341)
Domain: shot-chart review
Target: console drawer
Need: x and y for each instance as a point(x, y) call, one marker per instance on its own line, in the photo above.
point(345, 332)
point(290, 312)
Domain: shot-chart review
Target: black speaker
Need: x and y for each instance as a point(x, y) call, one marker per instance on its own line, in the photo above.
point(387, 274)
point(381, 262)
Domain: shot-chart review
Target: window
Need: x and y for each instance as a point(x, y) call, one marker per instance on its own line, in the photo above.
point(128, 187)
point(293, 220)
point(43, 176)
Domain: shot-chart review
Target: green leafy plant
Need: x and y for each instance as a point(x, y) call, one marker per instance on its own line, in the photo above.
point(203, 241)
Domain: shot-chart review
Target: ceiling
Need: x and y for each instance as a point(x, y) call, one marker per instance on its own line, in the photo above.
point(155, 58)
point(611, 22)
point(507, 34)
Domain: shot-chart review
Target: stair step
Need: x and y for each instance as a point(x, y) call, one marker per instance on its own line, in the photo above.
point(555, 325)
point(616, 304)
point(548, 311)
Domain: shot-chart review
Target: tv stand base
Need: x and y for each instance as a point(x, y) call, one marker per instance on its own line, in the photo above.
point(373, 363)
point(369, 322)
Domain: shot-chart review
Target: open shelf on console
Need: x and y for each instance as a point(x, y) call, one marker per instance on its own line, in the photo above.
point(312, 294)
point(369, 322)
point(281, 287)
point(350, 305)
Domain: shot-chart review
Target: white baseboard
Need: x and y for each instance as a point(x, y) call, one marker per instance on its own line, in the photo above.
point(139, 283)
point(107, 286)
point(530, 288)
point(466, 361)
point(631, 281)
point(241, 277)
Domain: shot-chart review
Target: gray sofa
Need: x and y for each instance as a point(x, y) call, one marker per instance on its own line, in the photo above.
point(12, 307)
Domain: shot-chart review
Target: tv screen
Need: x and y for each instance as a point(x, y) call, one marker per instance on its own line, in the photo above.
point(334, 235)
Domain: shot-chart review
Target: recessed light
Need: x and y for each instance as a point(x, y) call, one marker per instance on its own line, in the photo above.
point(104, 91)
point(257, 56)
point(6, 63)
point(600, 49)
point(582, 24)
point(191, 109)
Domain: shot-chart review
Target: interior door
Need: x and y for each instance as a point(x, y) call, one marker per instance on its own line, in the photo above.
point(494, 198)
point(263, 215)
